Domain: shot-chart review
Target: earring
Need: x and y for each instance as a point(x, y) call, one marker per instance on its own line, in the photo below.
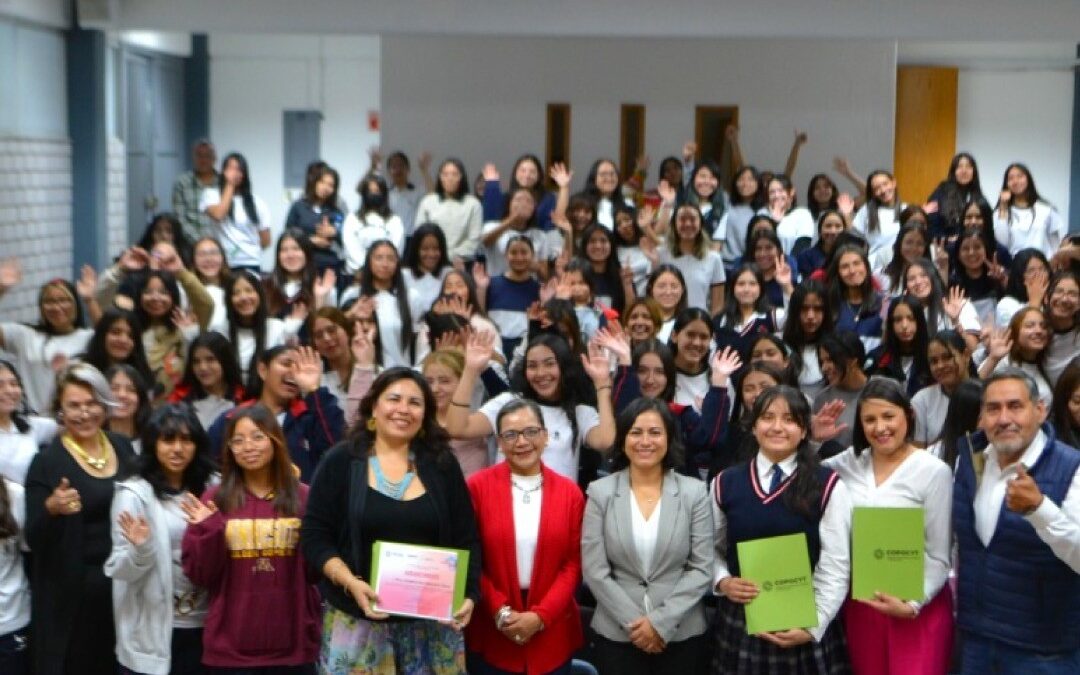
point(371, 424)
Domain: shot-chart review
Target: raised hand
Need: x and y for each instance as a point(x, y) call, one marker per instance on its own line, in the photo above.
point(826, 425)
point(165, 257)
point(324, 284)
point(996, 271)
point(182, 319)
point(689, 151)
point(800, 137)
point(626, 274)
point(135, 530)
point(1000, 344)
point(783, 271)
point(58, 362)
point(479, 350)
point(1005, 198)
point(133, 259)
point(307, 370)
point(646, 216)
point(954, 303)
point(299, 310)
point(563, 289)
point(455, 305)
point(480, 277)
point(10, 273)
point(452, 340)
point(561, 175)
point(641, 164)
point(596, 365)
point(363, 345)
point(491, 172)
point(846, 204)
point(535, 312)
point(931, 207)
point(612, 338)
point(723, 365)
point(86, 286)
point(195, 511)
point(375, 153)
point(1037, 283)
point(64, 500)
point(563, 225)
point(841, 165)
point(547, 291)
point(667, 192)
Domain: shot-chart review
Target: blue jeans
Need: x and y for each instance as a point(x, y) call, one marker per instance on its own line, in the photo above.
point(14, 653)
point(987, 657)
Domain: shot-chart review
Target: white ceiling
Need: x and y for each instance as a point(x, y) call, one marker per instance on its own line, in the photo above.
point(979, 20)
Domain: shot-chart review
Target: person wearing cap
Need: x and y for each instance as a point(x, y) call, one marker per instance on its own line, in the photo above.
point(1016, 516)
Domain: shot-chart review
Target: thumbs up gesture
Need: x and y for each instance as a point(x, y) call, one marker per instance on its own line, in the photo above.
point(1022, 494)
point(64, 500)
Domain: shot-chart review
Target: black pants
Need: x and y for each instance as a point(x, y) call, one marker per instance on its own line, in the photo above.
point(14, 653)
point(186, 653)
point(686, 657)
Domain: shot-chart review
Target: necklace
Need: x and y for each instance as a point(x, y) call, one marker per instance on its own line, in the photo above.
point(95, 463)
point(525, 492)
point(393, 489)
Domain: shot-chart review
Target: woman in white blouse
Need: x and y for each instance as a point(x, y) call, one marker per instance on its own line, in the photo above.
point(646, 550)
point(452, 208)
point(1022, 218)
point(374, 221)
point(793, 222)
point(890, 635)
point(878, 220)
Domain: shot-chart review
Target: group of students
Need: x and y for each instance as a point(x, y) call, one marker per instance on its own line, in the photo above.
point(599, 395)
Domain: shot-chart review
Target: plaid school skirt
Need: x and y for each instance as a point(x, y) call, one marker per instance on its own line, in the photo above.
point(740, 654)
point(352, 646)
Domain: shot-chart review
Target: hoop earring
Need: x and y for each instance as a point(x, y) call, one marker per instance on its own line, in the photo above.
point(371, 424)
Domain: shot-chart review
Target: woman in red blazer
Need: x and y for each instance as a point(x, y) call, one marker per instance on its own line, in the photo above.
point(530, 531)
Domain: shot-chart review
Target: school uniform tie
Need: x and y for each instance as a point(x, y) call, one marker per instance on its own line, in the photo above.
point(777, 478)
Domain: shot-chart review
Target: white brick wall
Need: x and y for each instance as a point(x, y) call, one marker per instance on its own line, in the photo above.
point(117, 197)
point(35, 216)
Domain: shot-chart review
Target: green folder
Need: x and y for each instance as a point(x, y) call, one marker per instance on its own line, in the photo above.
point(780, 566)
point(887, 551)
point(461, 572)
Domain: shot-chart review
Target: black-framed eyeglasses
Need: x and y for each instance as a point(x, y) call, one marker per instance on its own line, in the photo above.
point(511, 435)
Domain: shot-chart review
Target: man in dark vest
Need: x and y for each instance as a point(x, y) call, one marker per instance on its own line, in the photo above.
point(1016, 513)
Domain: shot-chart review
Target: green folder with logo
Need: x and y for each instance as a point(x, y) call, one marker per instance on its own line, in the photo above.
point(780, 566)
point(887, 551)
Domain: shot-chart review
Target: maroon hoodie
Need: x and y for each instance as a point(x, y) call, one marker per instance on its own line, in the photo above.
point(264, 608)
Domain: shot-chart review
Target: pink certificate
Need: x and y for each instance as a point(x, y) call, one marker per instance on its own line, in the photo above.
point(424, 582)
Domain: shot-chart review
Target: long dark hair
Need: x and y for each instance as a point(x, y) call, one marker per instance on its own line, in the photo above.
point(612, 274)
point(895, 269)
point(684, 319)
point(463, 186)
point(180, 241)
point(574, 386)
point(253, 388)
point(815, 208)
point(8, 527)
point(954, 196)
point(871, 301)
point(843, 348)
point(538, 189)
point(935, 306)
point(286, 486)
point(257, 323)
point(223, 351)
point(172, 421)
point(716, 199)
point(873, 223)
point(962, 417)
point(411, 261)
point(1068, 431)
point(142, 413)
point(732, 313)
point(364, 189)
point(1016, 287)
point(1031, 195)
point(274, 287)
point(243, 190)
point(804, 495)
point(397, 288)
point(668, 268)
point(169, 282)
point(739, 414)
point(98, 356)
point(430, 442)
point(890, 391)
point(667, 359)
point(672, 458)
point(18, 417)
point(794, 335)
point(590, 182)
point(757, 200)
point(316, 171)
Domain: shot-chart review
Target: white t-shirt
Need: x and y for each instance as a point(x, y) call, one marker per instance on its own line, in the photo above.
point(796, 224)
point(811, 379)
point(1046, 392)
point(495, 255)
point(639, 264)
point(1063, 348)
point(736, 220)
point(394, 353)
point(690, 388)
point(357, 237)
point(18, 450)
point(237, 234)
point(881, 241)
point(427, 286)
point(197, 600)
point(277, 332)
point(14, 587)
point(561, 453)
point(701, 274)
point(33, 352)
point(1040, 227)
point(1007, 307)
point(931, 406)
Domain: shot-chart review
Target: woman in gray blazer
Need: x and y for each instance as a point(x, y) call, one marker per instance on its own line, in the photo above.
point(647, 551)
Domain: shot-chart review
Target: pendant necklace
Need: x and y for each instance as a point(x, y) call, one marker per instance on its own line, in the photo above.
point(525, 492)
point(95, 463)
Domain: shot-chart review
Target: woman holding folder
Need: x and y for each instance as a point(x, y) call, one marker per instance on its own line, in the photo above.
point(781, 491)
point(530, 535)
point(646, 550)
point(394, 480)
point(888, 635)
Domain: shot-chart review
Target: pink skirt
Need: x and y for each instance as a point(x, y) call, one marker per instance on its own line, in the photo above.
point(883, 645)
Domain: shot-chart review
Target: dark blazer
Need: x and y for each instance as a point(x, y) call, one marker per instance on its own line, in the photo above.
point(335, 506)
point(556, 572)
point(57, 541)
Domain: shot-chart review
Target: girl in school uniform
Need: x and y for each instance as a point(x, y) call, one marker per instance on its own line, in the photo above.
point(688, 249)
point(810, 319)
point(705, 193)
point(889, 635)
point(520, 220)
point(746, 200)
point(949, 199)
point(795, 225)
point(781, 490)
point(902, 354)
point(765, 250)
point(667, 287)
point(911, 243)
point(510, 294)
point(878, 220)
point(974, 273)
point(212, 383)
point(852, 295)
point(943, 312)
point(830, 223)
point(747, 311)
point(691, 341)
point(635, 242)
point(1023, 219)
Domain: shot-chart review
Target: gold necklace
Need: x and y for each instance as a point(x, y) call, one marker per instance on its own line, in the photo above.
point(96, 463)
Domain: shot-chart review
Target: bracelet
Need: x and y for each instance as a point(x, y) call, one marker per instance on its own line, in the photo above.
point(501, 616)
point(460, 405)
point(601, 388)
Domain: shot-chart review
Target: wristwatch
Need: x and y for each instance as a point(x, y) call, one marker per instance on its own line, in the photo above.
point(501, 616)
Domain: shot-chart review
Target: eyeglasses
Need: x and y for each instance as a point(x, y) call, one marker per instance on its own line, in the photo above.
point(239, 442)
point(511, 435)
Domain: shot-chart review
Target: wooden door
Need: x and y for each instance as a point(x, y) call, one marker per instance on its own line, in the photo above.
point(925, 139)
point(710, 126)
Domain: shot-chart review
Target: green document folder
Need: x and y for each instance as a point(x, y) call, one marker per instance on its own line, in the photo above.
point(416, 591)
point(887, 551)
point(780, 566)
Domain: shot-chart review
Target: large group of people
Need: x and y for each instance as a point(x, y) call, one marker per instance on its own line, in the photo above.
point(598, 395)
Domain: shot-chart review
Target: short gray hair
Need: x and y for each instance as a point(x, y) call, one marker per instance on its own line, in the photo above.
point(1013, 373)
point(88, 376)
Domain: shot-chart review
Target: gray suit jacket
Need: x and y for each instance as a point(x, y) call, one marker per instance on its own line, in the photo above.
point(681, 570)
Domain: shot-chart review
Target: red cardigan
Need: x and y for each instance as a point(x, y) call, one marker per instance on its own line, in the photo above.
point(556, 572)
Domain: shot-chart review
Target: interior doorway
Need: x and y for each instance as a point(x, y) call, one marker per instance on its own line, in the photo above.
point(710, 126)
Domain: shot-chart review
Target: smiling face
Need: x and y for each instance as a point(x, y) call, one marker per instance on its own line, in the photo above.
point(693, 344)
point(542, 372)
point(746, 289)
point(883, 188)
point(125, 393)
point(598, 248)
point(251, 447)
point(766, 350)
point(639, 324)
point(11, 392)
point(325, 186)
point(174, 455)
point(903, 324)
point(207, 370)
point(607, 178)
point(83, 414)
point(746, 184)
point(852, 270)
point(765, 252)
point(780, 198)
point(822, 191)
point(1034, 334)
point(384, 263)
point(705, 183)
point(624, 226)
point(1017, 181)
point(330, 339)
point(208, 260)
point(519, 257)
point(777, 431)
point(244, 298)
point(430, 253)
point(1009, 415)
point(279, 378)
point(58, 308)
point(454, 285)
point(667, 290)
point(885, 426)
point(972, 253)
point(646, 442)
point(946, 367)
point(1064, 299)
point(831, 227)
point(527, 174)
point(155, 299)
point(443, 382)
point(688, 223)
point(450, 178)
point(965, 171)
point(752, 385)
point(119, 342)
point(399, 411)
point(973, 216)
point(651, 375)
point(829, 369)
point(522, 439)
point(291, 257)
point(913, 245)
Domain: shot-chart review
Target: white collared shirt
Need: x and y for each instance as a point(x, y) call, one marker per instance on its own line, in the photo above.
point(1057, 526)
point(921, 480)
point(833, 571)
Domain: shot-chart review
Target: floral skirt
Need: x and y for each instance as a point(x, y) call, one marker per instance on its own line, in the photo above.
point(352, 646)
